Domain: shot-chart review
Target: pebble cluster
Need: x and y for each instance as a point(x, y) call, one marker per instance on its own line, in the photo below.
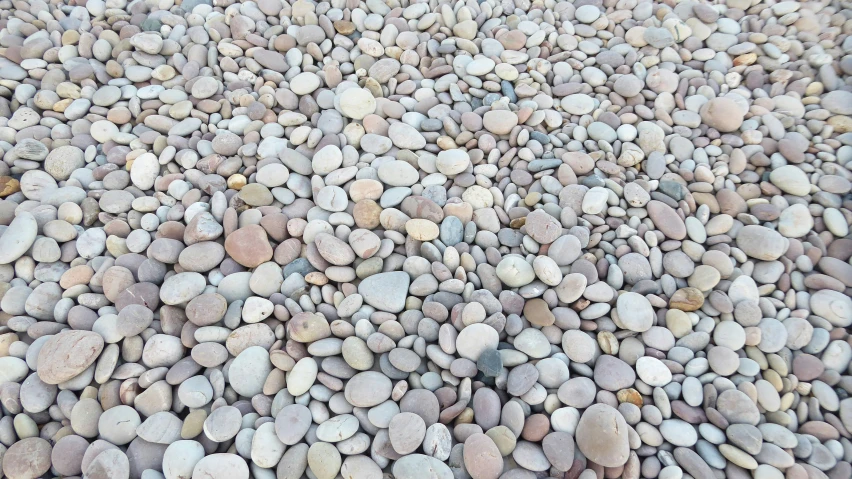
point(436, 239)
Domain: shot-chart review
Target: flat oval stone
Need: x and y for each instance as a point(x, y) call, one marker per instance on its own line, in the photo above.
point(406, 432)
point(221, 466)
point(67, 354)
point(27, 458)
point(419, 466)
point(474, 339)
point(368, 389)
point(602, 436)
point(249, 370)
point(360, 467)
point(338, 428)
point(761, 243)
point(482, 458)
point(18, 237)
point(666, 219)
point(292, 423)
point(613, 374)
point(223, 424)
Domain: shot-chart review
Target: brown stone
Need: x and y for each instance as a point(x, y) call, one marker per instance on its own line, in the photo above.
point(8, 186)
point(27, 458)
point(543, 227)
point(538, 312)
point(666, 220)
point(687, 299)
point(630, 395)
point(482, 459)
point(536, 427)
point(249, 246)
point(807, 367)
point(366, 214)
point(344, 27)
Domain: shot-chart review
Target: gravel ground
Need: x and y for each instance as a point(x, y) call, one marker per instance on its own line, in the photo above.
point(486, 239)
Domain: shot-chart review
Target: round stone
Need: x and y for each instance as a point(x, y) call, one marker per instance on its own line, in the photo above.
point(723, 114)
point(482, 458)
point(474, 339)
point(368, 389)
point(602, 436)
point(406, 432)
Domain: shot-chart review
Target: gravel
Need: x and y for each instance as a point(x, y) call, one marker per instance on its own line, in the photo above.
point(437, 240)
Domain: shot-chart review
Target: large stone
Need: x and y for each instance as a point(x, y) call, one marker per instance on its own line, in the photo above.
point(723, 114)
point(602, 436)
point(834, 306)
point(385, 291)
point(368, 389)
point(18, 237)
point(635, 312)
point(67, 354)
point(249, 246)
point(761, 243)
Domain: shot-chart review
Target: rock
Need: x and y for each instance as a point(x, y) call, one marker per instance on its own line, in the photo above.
point(482, 459)
point(722, 113)
point(29, 457)
point(18, 237)
point(602, 436)
point(182, 288)
point(737, 408)
point(613, 374)
point(653, 372)
point(385, 291)
point(406, 432)
point(761, 243)
point(356, 103)
point(474, 339)
point(292, 423)
point(666, 220)
point(514, 271)
point(559, 449)
point(635, 312)
point(499, 122)
point(368, 389)
point(795, 221)
point(67, 354)
point(542, 227)
point(419, 466)
point(837, 102)
point(249, 246)
point(249, 370)
point(180, 459)
point(324, 460)
point(833, 306)
point(791, 179)
point(221, 466)
point(338, 428)
point(452, 162)
point(118, 424)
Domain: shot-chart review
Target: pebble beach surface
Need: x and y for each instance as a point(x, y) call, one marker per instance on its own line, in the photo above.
point(491, 239)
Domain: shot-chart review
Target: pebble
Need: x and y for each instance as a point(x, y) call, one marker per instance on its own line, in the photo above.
point(602, 436)
point(635, 312)
point(29, 457)
point(406, 432)
point(67, 354)
point(791, 179)
point(722, 113)
point(482, 458)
